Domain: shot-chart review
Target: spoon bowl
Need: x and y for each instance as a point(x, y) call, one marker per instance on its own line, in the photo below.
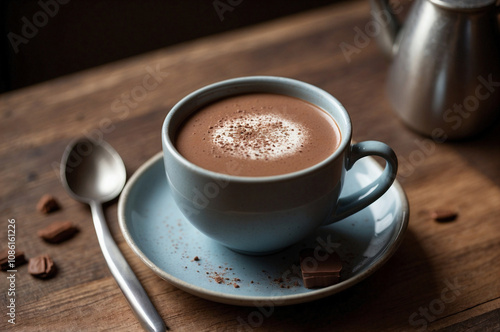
point(94, 173)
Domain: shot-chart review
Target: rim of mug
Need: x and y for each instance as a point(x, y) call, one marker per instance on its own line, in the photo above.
point(252, 81)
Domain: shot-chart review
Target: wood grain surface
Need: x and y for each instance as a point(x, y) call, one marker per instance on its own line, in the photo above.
point(445, 276)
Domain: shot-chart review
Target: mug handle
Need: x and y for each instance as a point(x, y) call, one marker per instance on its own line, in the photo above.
point(362, 198)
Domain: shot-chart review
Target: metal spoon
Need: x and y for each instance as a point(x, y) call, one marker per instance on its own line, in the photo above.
point(93, 173)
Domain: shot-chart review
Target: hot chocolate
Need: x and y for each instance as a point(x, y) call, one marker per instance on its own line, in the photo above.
point(261, 134)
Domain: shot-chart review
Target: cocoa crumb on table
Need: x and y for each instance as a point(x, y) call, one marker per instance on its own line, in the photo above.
point(47, 204)
point(58, 231)
point(19, 259)
point(42, 267)
point(444, 214)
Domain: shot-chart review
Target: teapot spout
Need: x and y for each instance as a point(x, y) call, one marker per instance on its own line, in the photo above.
point(383, 13)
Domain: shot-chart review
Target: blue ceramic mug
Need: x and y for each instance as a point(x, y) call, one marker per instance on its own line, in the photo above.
point(260, 215)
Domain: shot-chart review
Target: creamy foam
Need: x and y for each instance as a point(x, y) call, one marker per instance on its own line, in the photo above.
point(258, 135)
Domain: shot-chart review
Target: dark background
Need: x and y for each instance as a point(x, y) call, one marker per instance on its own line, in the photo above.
point(45, 39)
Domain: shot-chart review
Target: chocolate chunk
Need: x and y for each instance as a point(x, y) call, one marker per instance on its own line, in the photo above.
point(42, 267)
point(47, 204)
point(319, 268)
point(16, 259)
point(444, 214)
point(58, 231)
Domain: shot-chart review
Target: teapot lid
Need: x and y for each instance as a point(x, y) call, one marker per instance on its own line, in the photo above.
point(464, 4)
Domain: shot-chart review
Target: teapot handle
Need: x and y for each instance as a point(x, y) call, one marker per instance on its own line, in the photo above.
point(383, 13)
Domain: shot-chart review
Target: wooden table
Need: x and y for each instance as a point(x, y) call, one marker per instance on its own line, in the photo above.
point(445, 276)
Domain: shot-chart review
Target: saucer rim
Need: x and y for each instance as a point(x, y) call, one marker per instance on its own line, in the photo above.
point(245, 300)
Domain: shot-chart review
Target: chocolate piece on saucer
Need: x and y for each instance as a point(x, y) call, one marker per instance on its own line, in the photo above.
point(319, 268)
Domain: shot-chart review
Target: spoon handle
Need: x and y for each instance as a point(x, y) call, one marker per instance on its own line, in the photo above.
point(124, 276)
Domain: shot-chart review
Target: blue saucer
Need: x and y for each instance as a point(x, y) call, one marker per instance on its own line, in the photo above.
point(166, 242)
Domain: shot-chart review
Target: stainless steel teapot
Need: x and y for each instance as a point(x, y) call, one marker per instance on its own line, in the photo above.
point(444, 80)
